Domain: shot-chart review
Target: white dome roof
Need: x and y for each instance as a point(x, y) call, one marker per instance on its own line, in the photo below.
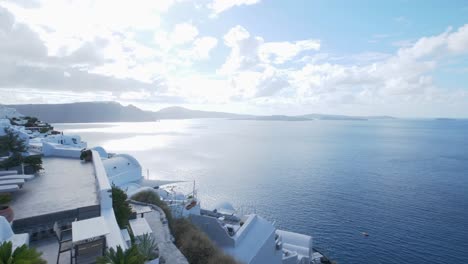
point(225, 207)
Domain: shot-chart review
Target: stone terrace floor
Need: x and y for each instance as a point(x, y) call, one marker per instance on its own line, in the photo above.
point(64, 184)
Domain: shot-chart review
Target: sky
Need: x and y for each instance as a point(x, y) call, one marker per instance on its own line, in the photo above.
point(401, 58)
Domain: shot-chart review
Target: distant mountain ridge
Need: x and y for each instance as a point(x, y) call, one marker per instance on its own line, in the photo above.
point(177, 112)
point(89, 112)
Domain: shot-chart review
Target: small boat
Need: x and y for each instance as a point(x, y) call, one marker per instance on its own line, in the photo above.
point(365, 234)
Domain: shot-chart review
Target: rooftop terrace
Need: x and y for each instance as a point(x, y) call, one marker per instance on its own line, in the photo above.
point(65, 185)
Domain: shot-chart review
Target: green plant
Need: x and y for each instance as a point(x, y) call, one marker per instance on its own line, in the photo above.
point(4, 199)
point(14, 160)
point(221, 258)
point(119, 256)
point(147, 246)
point(21, 255)
point(11, 142)
point(191, 241)
point(44, 130)
point(86, 155)
point(31, 121)
point(122, 209)
point(196, 246)
point(35, 161)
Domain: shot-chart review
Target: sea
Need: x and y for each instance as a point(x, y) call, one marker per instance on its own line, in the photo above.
point(403, 182)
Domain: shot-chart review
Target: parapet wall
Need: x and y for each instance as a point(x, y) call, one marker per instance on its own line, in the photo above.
point(103, 185)
point(114, 238)
point(58, 150)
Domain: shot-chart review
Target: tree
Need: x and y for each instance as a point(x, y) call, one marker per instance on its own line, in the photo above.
point(12, 143)
point(21, 255)
point(35, 161)
point(129, 256)
point(12, 161)
point(122, 209)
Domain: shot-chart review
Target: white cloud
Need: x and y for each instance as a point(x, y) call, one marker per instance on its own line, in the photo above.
point(219, 6)
point(445, 44)
point(244, 50)
point(458, 41)
point(250, 52)
point(74, 49)
point(280, 52)
point(257, 69)
point(203, 46)
point(184, 33)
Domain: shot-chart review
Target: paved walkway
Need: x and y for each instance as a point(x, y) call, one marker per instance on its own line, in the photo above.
point(158, 223)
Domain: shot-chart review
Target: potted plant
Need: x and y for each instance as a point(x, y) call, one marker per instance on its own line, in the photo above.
point(21, 254)
point(86, 155)
point(5, 209)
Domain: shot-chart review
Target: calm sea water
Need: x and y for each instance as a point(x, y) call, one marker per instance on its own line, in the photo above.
point(403, 182)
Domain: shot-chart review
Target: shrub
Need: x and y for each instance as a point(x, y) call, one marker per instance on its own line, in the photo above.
point(129, 256)
point(86, 155)
point(147, 197)
point(35, 161)
point(11, 142)
point(12, 161)
point(5, 199)
point(221, 258)
point(122, 209)
point(152, 197)
point(191, 241)
point(196, 246)
point(44, 130)
point(20, 255)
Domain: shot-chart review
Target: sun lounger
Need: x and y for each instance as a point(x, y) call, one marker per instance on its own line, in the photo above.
point(18, 182)
point(17, 176)
point(8, 172)
point(9, 188)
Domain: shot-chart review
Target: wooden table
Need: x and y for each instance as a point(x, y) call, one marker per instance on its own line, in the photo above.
point(87, 229)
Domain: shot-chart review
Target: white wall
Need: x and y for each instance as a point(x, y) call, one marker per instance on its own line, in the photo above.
point(58, 150)
point(114, 238)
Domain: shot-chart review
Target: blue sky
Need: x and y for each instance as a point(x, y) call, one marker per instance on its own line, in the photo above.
point(402, 58)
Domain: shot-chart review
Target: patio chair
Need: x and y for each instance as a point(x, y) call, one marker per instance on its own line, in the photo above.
point(88, 252)
point(65, 244)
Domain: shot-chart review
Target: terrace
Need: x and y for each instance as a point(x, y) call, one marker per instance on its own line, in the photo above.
point(64, 191)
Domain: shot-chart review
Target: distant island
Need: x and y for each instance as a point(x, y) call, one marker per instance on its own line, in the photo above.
point(275, 118)
point(91, 112)
point(445, 119)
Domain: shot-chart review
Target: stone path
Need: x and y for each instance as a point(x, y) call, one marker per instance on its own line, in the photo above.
point(158, 223)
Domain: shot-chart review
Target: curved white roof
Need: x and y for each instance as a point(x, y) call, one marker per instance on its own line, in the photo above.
point(122, 169)
point(102, 152)
point(225, 208)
